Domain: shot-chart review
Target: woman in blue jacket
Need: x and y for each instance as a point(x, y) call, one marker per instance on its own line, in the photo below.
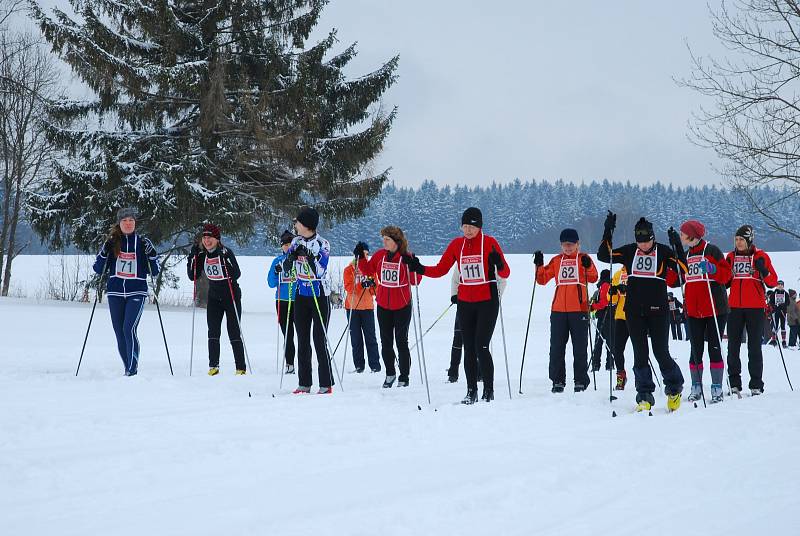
point(284, 293)
point(129, 259)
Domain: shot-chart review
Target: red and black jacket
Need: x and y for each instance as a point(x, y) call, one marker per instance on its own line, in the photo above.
point(747, 285)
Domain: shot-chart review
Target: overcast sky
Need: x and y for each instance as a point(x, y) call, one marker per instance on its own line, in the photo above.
point(493, 91)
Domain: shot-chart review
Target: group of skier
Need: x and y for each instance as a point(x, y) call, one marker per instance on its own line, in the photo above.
point(632, 303)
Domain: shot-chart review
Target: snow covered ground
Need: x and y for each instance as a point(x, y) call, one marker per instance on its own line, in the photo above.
point(106, 454)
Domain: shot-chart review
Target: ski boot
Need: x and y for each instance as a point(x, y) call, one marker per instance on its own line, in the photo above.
point(697, 392)
point(471, 398)
point(325, 391)
point(452, 376)
point(289, 369)
point(301, 390)
point(240, 372)
point(557, 388)
point(579, 388)
point(389, 381)
point(673, 402)
point(784, 345)
point(488, 394)
point(756, 392)
point(213, 371)
point(645, 401)
point(622, 379)
point(716, 393)
point(359, 370)
point(736, 391)
point(402, 381)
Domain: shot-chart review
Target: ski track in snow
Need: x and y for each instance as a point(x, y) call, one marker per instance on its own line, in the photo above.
point(102, 453)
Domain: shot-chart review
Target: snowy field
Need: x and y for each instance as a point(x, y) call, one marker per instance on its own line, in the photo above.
point(157, 454)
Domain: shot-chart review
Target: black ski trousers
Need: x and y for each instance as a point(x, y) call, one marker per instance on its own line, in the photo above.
point(306, 315)
point(286, 320)
point(620, 342)
point(219, 306)
point(393, 327)
point(564, 327)
point(656, 326)
point(751, 320)
point(477, 321)
point(602, 333)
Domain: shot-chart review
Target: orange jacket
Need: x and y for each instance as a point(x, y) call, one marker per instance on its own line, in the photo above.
point(358, 297)
point(571, 296)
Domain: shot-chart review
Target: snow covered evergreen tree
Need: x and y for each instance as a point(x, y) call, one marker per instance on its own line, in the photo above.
point(206, 109)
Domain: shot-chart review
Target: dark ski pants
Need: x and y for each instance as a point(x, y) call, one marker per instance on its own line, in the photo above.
point(779, 323)
point(602, 336)
point(125, 315)
point(564, 327)
point(751, 320)
point(362, 332)
point(620, 342)
point(702, 330)
point(219, 306)
point(455, 352)
point(794, 331)
point(393, 326)
point(656, 326)
point(477, 321)
point(307, 315)
point(675, 326)
point(286, 320)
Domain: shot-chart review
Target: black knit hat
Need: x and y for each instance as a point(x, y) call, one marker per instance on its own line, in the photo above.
point(643, 231)
point(568, 235)
point(472, 216)
point(287, 237)
point(309, 217)
point(605, 275)
point(748, 233)
point(364, 245)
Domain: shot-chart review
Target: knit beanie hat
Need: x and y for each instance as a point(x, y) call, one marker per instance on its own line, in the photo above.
point(287, 237)
point(127, 212)
point(643, 231)
point(569, 235)
point(209, 229)
point(693, 229)
point(472, 216)
point(748, 233)
point(309, 217)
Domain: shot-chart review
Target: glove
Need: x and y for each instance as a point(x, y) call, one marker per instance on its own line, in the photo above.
point(278, 268)
point(495, 259)
point(761, 267)
point(413, 263)
point(358, 252)
point(609, 225)
point(195, 251)
point(612, 291)
point(622, 289)
point(586, 261)
point(454, 299)
point(367, 283)
point(674, 237)
point(302, 251)
point(707, 268)
point(538, 258)
point(149, 249)
point(288, 264)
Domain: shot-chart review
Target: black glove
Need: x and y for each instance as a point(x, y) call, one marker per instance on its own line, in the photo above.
point(538, 258)
point(302, 251)
point(677, 245)
point(495, 259)
point(367, 283)
point(610, 224)
point(761, 267)
point(149, 249)
point(586, 261)
point(413, 263)
point(454, 299)
point(612, 291)
point(278, 268)
point(288, 264)
point(622, 289)
point(358, 252)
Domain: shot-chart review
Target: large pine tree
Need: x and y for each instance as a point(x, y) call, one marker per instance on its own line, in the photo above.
point(206, 110)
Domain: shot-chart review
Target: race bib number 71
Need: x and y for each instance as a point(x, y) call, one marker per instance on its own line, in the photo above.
point(126, 265)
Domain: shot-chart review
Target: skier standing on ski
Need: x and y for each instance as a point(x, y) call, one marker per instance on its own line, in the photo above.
point(675, 316)
point(480, 262)
point(359, 306)
point(778, 303)
point(284, 293)
point(603, 319)
point(307, 262)
point(219, 265)
point(128, 258)
point(569, 312)
point(650, 267)
point(705, 267)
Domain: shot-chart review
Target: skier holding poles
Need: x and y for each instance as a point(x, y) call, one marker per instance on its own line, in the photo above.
point(650, 267)
point(752, 271)
point(480, 262)
point(307, 261)
point(705, 303)
point(778, 301)
point(675, 317)
point(619, 287)
point(359, 305)
point(389, 268)
point(127, 257)
point(219, 265)
point(569, 312)
point(284, 293)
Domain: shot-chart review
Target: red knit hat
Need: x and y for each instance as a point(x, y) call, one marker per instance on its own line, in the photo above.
point(693, 229)
point(209, 229)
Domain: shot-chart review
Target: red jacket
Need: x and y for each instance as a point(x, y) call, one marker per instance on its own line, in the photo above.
point(747, 285)
point(696, 300)
point(602, 297)
point(392, 294)
point(477, 287)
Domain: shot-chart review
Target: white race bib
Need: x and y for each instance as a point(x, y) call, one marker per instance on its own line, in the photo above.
point(568, 272)
point(472, 270)
point(779, 298)
point(126, 265)
point(303, 269)
point(743, 267)
point(390, 274)
point(645, 264)
point(213, 268)
point(623, 278)
point(693, 271)
point(672, 306)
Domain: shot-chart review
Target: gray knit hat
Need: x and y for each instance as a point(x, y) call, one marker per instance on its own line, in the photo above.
point(127, 212)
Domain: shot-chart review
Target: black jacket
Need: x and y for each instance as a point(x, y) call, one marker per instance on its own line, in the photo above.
point(220, 266)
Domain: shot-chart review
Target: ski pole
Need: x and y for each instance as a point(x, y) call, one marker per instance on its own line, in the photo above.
point(96, 296)
point(194, 308)
point(421, 343)
point(434, 323)
point(331, 360)
point(780, 350)
point(719, 332)
point(611, 396)
point(527, 328)
point(503, 333)
point(589, 327)
point(347, 327)
point(161, 321)
point(288, 315)
point(416, 330)
point(237, 312)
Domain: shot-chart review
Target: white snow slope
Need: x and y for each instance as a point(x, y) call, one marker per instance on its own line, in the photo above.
point(161, 454)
